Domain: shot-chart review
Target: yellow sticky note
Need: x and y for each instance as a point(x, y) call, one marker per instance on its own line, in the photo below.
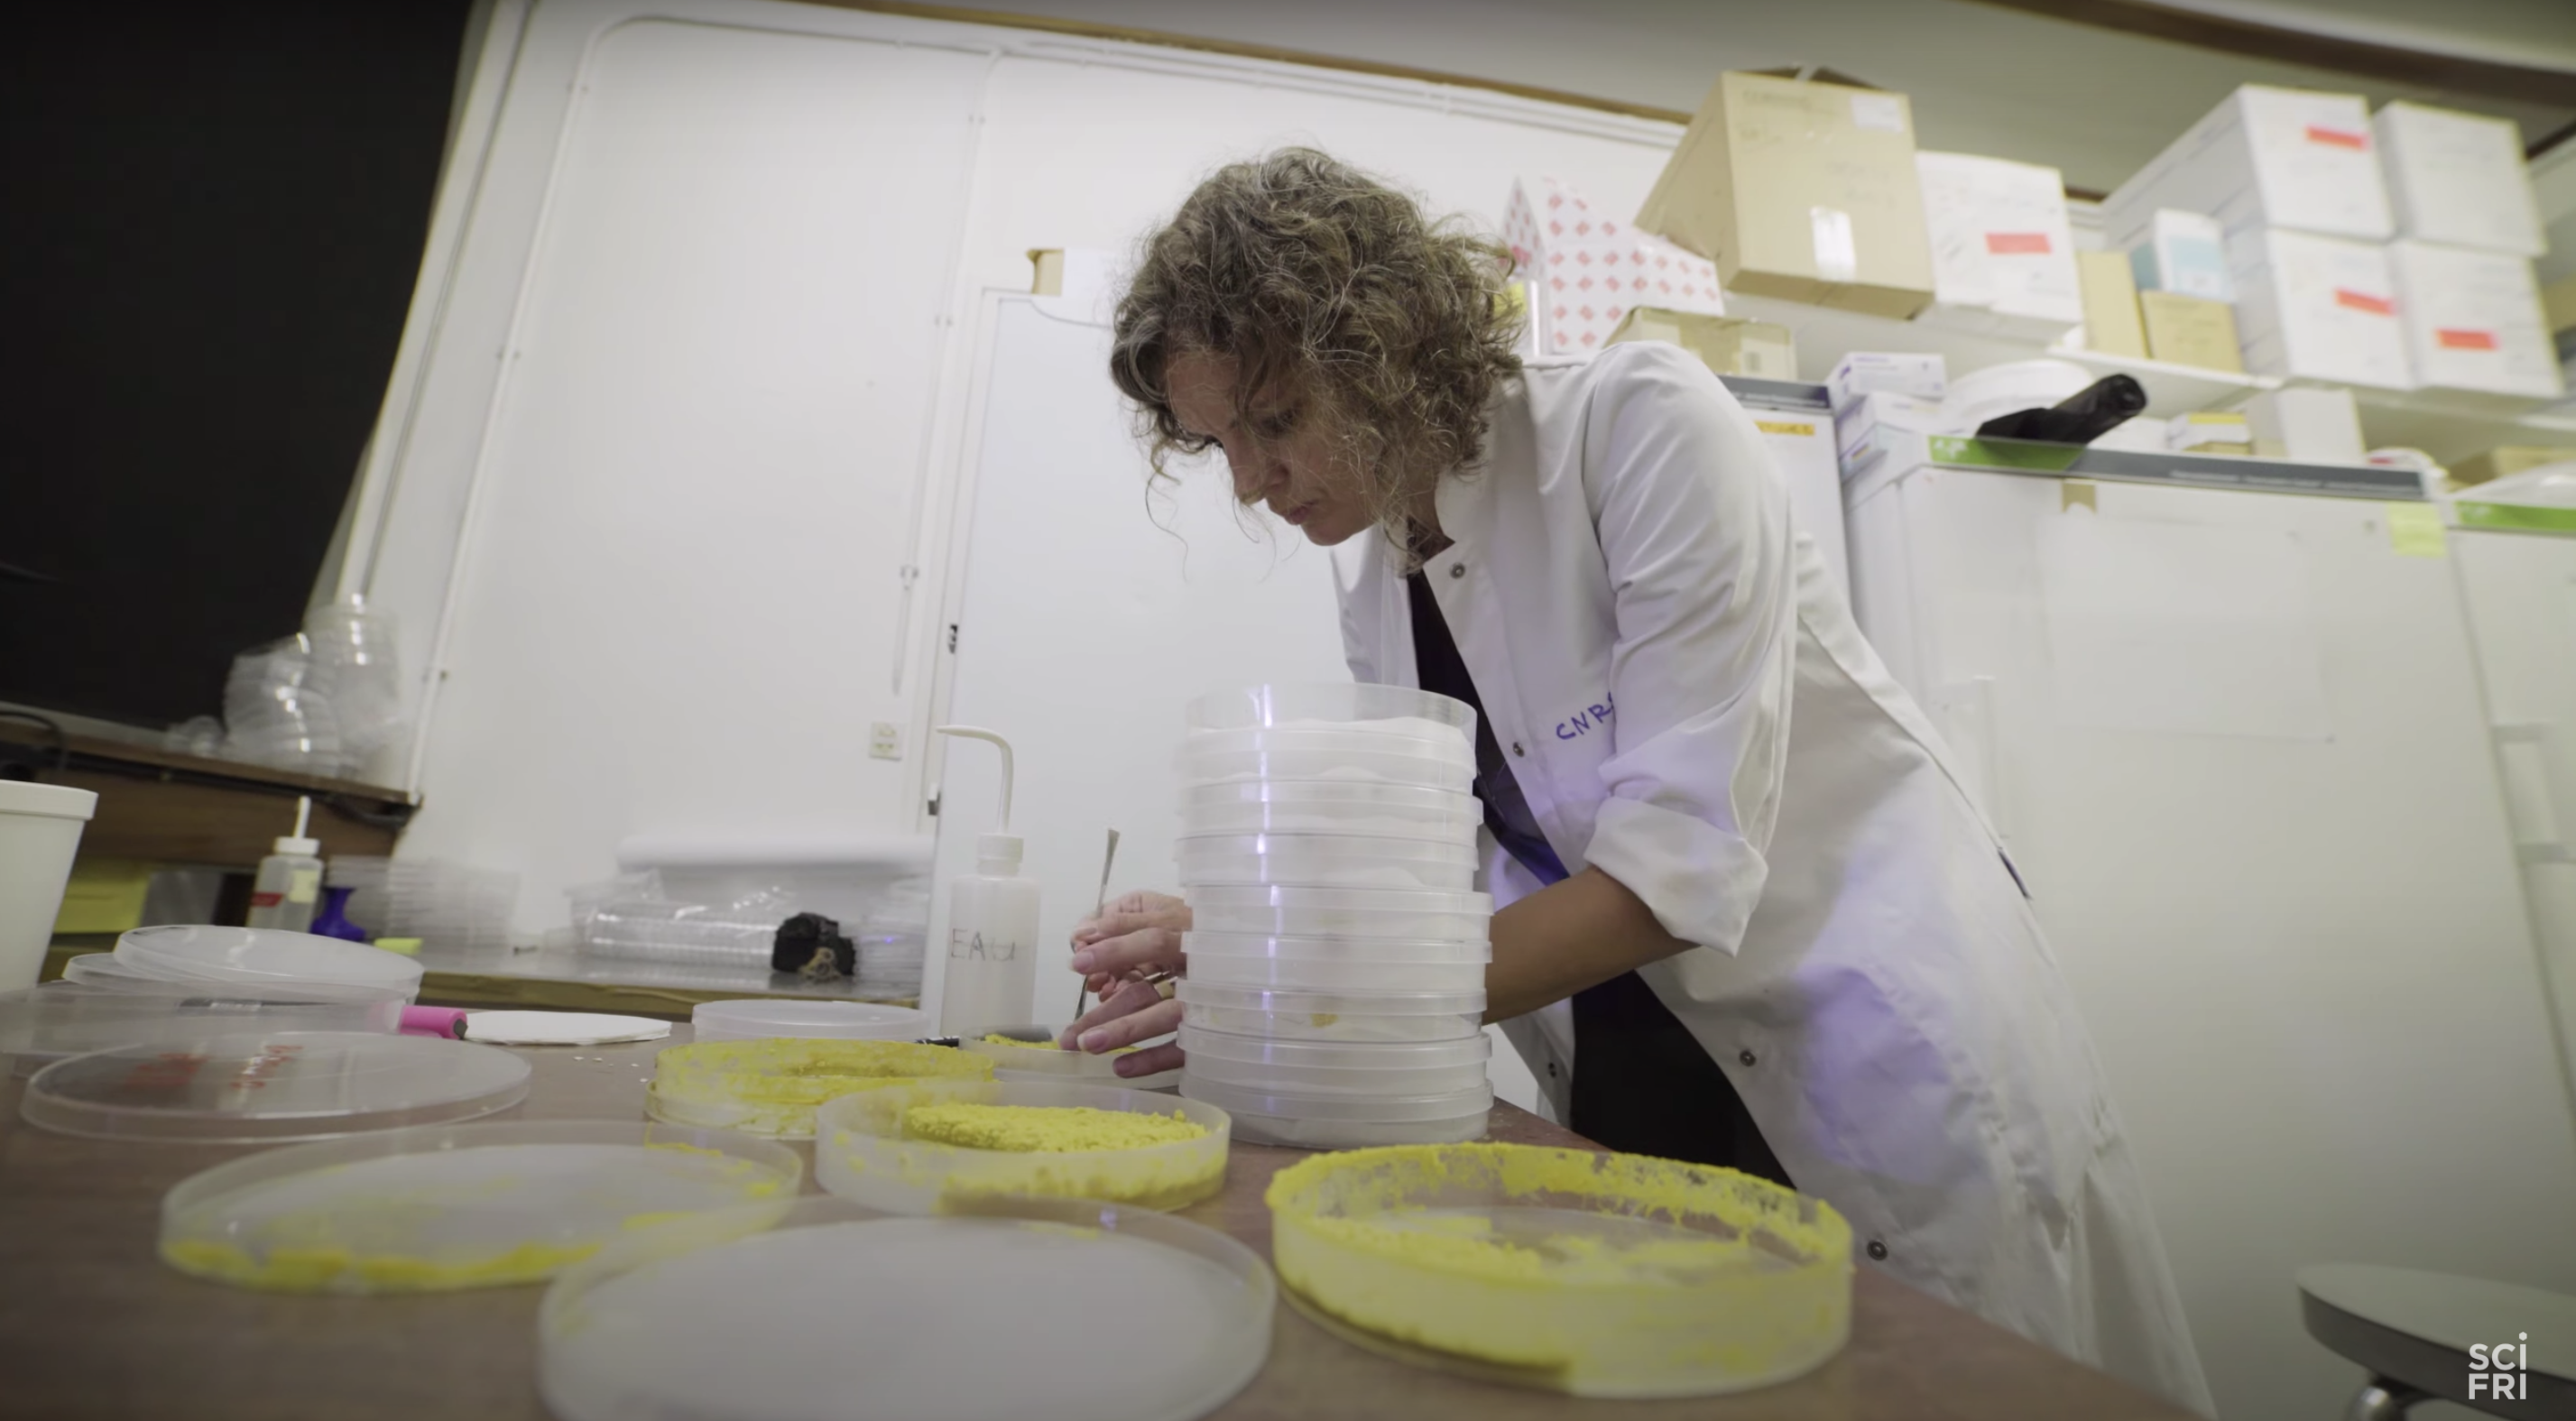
point(2415, 530)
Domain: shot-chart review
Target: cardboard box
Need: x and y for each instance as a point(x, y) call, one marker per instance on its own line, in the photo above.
point(2111, 321)
point(1871, 372)
point(2266, 157)
point(2184, 253)
point(2558, 304)
point(1861, 427)
point(2003, 256)
point(1587, 270)
point(2185, 330)
point(2506, 461)
point(1801, 190)
point(2458, 179)
point(2318, 308)
point(2473, 323)
point(1726, 345)
point(2310, 425)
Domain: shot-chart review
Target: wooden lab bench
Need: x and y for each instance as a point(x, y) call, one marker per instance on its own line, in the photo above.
point(93, 1325)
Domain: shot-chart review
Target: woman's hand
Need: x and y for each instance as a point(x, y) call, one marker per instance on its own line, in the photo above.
point(1135, 935)
point(1135, 1012)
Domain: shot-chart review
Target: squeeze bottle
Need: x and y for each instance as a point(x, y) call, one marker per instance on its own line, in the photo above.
point(290, 879)
point(992, 973)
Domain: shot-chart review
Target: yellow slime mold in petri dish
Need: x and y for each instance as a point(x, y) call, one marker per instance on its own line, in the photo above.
point(770, 1086)
point(928, 1146)
point(1043, 1129)
point(1598, 1274)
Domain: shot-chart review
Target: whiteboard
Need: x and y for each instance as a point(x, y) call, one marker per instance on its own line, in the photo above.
point(673, 504)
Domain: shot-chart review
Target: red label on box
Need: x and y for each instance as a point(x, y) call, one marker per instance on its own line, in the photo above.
point(2465, 340)
point(2364, 301)
point(2014, 244)
point(2337, 137)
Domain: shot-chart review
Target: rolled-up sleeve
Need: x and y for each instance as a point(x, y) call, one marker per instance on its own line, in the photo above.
point(1694, 529)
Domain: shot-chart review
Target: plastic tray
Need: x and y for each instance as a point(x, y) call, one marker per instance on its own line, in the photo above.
point(102, 969)
point(1356, 974)
point(770, 1087)
point(62, 1019)
point(1325, 861)
point(861, 1153)
point(459, 1206)
point(1596, 1274)
point(1326, 807)
point(838, 1313)
point(195, 953)
point(273, 1086)
point(1023, 1061)
point(1307, 1122)
point(760, 1017)
point(1326, 701)
point(1279, 911)
point(1333, 1016)
point(1330, 766)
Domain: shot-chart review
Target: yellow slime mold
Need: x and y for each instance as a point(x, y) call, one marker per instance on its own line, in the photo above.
point(1043, 1129)
point(771, 1086)
point(1598, 1274)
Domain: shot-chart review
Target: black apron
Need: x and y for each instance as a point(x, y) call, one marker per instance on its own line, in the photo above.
point(1642, 1084)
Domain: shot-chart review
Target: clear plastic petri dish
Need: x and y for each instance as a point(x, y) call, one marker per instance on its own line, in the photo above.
point(760, 1017)
point(1333, 1016)
point(838, 1311)
point(59, 1019)
point(1037, 1138)
point(457, 1206)
point(1345, 1122)
point(1201, 1045)
point(772, 1086)
point(1283, 911)
point(1336, 949)
point(273, 1086)
point(1419, 738)
point(1331, 807)
point(1325, 861)
point(262, 954)
point(1329, 766)
point(1327, 701)
point(1358, 974)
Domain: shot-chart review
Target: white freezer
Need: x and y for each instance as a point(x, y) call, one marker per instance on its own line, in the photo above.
point(2235, 744)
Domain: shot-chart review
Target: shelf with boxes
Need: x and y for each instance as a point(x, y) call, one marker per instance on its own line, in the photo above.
point(2291, 240)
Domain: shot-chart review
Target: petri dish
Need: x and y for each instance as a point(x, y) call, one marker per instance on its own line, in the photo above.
point(865, 1151)
point(1351, 974)
point(1341, 912)
point(457, 1206)
point(1330, 765)
point(1572, 1270)
point(1325, 861)
point(1250, 707)
point(102, 969)
point(1421, 739)
point(1327, 807)
point(1337, 1068)
point(1333, 1016)
point(261, 955)
point(758, 1017)
point(838, 1312)
point(771, 1086)
point(272, 1086)
point(60, 1019)
point(1034, 1061)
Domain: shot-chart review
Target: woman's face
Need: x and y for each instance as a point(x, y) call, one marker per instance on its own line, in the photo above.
point(1281, 453)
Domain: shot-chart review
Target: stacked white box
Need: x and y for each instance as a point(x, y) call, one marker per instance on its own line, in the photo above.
point(2473, 323)
point(2003, 256)
point(2266, 157)
point(2458, 179)
point(2318, 308)
point(1587, 270)
point(1337, 950)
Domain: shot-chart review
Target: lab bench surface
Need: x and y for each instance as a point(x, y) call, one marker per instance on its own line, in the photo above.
point(93, 1325)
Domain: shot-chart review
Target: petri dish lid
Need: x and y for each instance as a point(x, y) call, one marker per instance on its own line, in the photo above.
point(1457, 853)
point(1335, 794)
point(1247, 1100)
point(457, 1206)
point(769, 1016)
point(275, 1085)
point(1328, 701)
point(102, 969)
point(1413, 739)
point(1291, 1003)
point(1339, 1055)
point(1344, 900)
point(1349, 948)
point(838, 1312)
point(62, 1019)
point(262, 954)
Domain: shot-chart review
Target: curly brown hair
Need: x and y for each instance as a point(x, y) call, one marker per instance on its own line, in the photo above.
point(1315, 277)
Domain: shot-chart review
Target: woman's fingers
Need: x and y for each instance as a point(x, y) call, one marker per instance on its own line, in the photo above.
point(1165, 1057)
point(1141, 1021)
point(1114, 1003)
point(1133, 913)
point(1136, 952)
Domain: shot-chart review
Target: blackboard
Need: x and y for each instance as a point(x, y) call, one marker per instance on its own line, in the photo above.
point(214, 223)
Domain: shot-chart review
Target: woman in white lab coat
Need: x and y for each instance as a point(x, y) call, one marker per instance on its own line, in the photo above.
point(1749, 917)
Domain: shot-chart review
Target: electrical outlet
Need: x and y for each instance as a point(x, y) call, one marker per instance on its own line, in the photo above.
point(885, 740)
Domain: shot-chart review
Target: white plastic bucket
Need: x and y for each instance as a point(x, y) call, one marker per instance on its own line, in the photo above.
point(40, 830)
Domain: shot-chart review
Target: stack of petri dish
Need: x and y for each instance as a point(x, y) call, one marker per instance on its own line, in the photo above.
point(1337, 950)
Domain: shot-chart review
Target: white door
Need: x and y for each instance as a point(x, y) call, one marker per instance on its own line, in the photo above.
point(2521, 590)
point(2235, 743)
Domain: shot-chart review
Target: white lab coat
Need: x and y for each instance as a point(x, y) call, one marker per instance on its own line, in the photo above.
point(1688, 706)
